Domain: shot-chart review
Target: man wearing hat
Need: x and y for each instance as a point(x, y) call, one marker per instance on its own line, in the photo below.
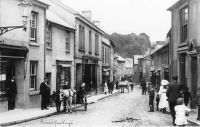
point(45, 93)
point(172, 94)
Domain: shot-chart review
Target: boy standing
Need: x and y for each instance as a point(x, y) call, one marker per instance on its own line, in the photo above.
point(151, 98)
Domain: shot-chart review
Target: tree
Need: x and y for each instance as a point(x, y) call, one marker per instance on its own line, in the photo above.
point(130, 44)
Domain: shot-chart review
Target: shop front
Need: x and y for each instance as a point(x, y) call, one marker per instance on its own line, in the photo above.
point(89, 73)
point(63, 73)
point(12, 64)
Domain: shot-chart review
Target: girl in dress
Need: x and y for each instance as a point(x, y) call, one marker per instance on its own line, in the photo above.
point(181, 110)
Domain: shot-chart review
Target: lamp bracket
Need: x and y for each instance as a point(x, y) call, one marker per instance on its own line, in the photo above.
point(9, 28)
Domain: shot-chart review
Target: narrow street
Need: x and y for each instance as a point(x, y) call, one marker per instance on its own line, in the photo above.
point(120, 110)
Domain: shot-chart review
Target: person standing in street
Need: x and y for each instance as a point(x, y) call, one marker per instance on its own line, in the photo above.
point(105, 87)
point(111, 87)
point(181, 110)
point(11, 93)
point(172, 94)
point(187, 96)
point(117, 84)
point(44, 92)
point(197, 99)
point(144, 87)
point(151, 98)
point(163, 104)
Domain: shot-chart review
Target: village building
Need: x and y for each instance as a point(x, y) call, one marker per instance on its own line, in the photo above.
point(184, 43)
point(22, 53)
point(59, 53)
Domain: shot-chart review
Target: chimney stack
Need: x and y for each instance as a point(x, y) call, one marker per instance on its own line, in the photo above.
point(87, 14)
point(96, 23)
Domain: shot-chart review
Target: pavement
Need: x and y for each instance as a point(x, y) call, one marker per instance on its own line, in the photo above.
point(17, 116)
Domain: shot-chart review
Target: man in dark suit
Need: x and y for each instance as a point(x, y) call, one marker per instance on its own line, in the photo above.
point(11, 92)
point(172, 94)
point(45, 93)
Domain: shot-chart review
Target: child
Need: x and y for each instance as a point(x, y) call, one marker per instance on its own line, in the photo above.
point(151, 98)
point(56, 97)
point(163, 103)
point(181, 110)
point(157, 101)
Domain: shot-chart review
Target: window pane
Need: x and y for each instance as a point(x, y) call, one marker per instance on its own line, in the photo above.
point(33, 74)
point(80, 38)
point(67, 41)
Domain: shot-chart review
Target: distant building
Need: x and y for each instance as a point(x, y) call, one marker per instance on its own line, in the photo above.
point(124, 68)
point(137, 68)
point(107, 60)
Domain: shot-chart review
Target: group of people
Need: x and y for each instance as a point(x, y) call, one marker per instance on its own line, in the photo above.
point(175, 96)
point(108, 87)
point(65, 94)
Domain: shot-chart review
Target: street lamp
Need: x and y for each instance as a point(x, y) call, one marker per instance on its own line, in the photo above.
point(25, 9)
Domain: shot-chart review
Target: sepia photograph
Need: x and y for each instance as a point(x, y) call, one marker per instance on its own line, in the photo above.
point(99, 63)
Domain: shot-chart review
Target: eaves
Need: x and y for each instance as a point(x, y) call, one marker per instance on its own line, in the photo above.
point(177, 4)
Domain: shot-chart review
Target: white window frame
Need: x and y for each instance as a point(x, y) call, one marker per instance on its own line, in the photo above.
point(67, 41)
point(96, 44)
point(49, 37)
point(33, 26)
point(35, 75)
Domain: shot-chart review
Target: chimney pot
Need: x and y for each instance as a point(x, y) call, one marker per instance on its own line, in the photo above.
point(87, 14)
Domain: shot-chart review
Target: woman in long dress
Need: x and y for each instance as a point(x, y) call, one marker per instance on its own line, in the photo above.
point(163, 104)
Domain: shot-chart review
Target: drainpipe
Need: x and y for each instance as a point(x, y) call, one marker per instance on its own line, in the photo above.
point(75, 77)
point(45, 44)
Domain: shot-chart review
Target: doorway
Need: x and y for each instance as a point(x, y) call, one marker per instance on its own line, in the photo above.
point(182, 68)
point(194, 76)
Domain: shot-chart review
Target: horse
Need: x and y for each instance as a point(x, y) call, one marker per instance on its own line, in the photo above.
point(122, 85)
point(68, 96)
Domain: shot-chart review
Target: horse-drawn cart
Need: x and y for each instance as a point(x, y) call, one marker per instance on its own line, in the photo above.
point(122, 85)
point(81, 99)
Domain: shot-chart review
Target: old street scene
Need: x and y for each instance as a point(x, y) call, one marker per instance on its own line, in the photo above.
point(99, 63)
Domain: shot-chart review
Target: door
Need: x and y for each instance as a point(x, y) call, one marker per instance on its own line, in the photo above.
point(182, 64)
point(194, 75)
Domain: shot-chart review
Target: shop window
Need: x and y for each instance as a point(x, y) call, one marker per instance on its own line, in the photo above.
point(33, 75)
point(65, 75)
point(2, 78)
point(33, 26)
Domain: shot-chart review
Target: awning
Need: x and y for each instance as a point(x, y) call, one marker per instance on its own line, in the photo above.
point(65, 65)
point(15, 52)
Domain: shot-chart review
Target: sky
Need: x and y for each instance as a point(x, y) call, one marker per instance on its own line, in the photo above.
point(129, 16)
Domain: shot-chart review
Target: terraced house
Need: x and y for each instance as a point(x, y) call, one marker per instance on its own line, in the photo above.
point(185, 43)
point(22, 53)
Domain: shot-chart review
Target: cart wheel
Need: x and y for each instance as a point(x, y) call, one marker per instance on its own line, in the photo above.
point(85, 104)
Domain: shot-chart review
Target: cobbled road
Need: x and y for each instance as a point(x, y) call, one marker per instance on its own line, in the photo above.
point(119, 110)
